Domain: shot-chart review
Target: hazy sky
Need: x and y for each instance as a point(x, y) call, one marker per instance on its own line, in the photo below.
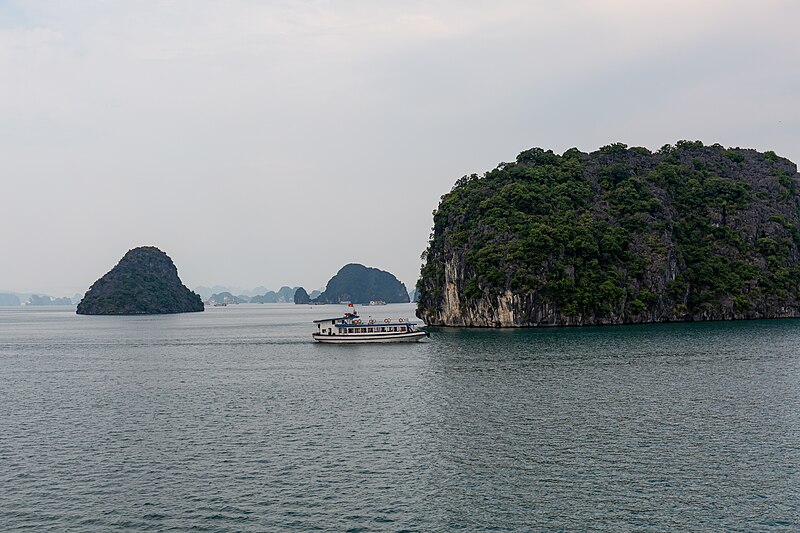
point(269, 143)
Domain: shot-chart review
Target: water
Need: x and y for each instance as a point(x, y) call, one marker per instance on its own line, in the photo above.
point(232, 420)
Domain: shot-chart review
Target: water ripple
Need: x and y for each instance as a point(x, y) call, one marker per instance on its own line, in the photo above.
point(236, 422)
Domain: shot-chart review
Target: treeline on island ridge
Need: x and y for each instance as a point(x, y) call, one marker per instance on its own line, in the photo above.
point(617, 236)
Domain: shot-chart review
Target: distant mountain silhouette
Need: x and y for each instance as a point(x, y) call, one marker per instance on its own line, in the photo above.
point(41, 299)
point(9, 300)
point(226, 298)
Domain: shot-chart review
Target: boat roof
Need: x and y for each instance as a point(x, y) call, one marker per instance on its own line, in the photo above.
point(364, 324)
point(331, 319)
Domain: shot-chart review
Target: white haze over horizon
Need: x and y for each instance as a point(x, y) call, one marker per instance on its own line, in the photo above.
point(270, 143)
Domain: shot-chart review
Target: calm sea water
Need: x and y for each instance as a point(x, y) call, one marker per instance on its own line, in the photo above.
point(233, 420)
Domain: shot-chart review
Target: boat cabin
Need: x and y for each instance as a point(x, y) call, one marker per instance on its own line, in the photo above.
point(348, 325)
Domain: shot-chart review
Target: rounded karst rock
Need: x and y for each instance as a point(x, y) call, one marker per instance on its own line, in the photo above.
point(144, 282)
point(360, 284)
point(301, 296)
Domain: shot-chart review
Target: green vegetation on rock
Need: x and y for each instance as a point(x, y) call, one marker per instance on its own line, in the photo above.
point(144, 282)
point(620, 235)
point(359, 284)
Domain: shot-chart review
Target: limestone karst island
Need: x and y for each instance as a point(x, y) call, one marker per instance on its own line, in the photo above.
point(360, 284)
point(617, 236)
point(144, 282)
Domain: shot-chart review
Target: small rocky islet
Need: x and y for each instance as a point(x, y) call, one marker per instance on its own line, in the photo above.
point(144, 282)
point(617, 236)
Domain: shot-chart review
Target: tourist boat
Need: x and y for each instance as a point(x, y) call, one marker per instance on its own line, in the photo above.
point(377, 302)
point(351, 329)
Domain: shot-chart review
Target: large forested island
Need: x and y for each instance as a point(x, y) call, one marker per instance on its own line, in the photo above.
point(144, 282)
point(617, 236)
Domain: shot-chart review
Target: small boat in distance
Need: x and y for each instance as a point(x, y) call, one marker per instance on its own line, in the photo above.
point(377, 302)
point(350, 329)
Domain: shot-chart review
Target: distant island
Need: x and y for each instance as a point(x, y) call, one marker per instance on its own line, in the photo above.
point(42, 299)
point(617, 236)
point(226, 298)
point(284, 295)
point(9, 300)
point(260, 295)
point(301, 296)
point(358, 284)
point(144, 282)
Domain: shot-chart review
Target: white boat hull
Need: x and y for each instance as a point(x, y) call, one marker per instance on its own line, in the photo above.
point(369, 338)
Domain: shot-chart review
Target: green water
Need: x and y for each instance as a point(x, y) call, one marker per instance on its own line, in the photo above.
point(233, 420)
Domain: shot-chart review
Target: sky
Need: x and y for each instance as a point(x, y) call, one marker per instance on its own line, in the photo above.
point(272, 142)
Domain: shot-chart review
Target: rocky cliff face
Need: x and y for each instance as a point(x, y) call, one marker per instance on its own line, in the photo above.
point(144, 282)
point(617, 236)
